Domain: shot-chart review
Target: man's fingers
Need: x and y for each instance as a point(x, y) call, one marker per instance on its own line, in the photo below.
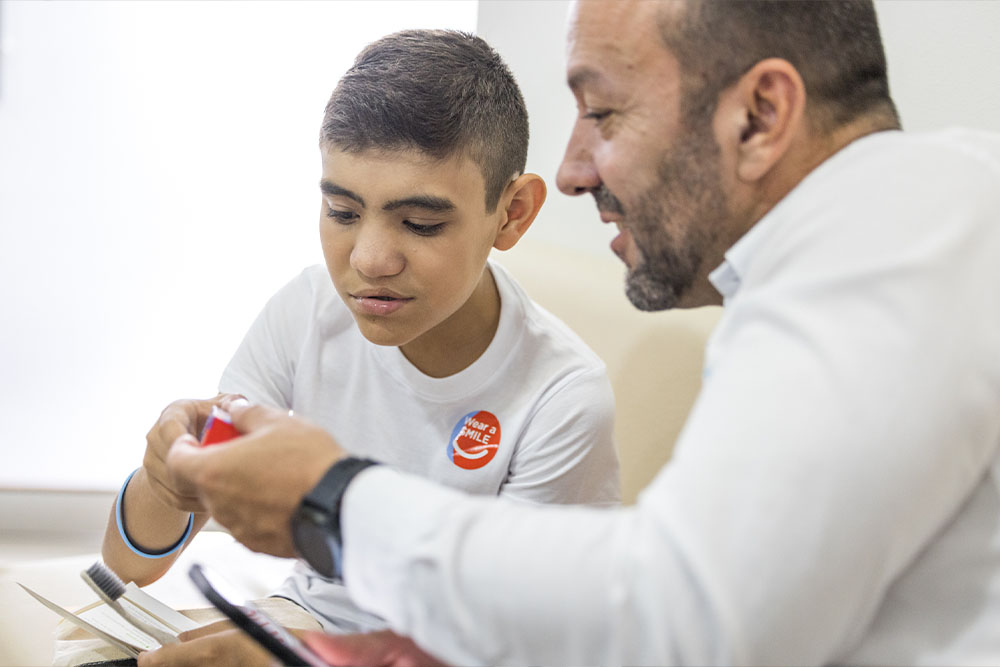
point(383, 648)
point(346, 649)
point(249, 418)
point(185, 460)
point(233, 402)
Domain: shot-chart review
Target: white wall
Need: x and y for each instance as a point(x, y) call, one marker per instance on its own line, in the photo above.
point(530, 35)
point(944, 69)
point(944, 61)
point(158, 172)
point(158, 181)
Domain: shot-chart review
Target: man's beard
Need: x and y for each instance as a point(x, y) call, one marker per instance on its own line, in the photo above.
point(674, 222)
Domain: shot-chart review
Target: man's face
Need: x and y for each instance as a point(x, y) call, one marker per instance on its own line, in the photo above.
point(405, 238)
point(652, 172)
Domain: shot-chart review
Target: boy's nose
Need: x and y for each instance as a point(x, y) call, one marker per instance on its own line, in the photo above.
point(375, 255)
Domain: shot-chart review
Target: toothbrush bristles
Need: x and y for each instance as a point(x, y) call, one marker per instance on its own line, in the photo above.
point(106, 580)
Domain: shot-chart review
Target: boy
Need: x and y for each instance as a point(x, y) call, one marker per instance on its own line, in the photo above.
point(410, 346)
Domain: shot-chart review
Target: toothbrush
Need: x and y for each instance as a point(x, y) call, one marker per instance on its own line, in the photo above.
point(109, 587)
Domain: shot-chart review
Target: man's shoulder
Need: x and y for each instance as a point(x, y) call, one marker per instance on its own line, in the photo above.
point(920, 150)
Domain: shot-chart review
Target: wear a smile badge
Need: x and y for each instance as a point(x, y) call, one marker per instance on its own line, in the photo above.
point(474, 440)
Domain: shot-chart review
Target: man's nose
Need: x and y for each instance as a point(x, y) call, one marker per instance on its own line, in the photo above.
point(376, 252)
point(577, 174)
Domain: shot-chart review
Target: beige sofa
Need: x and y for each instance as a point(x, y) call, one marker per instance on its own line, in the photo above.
point(654, 361)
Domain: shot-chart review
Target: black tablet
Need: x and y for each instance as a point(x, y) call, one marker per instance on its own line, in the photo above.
point(282, 644)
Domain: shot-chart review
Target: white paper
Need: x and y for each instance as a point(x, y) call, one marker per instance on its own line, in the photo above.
point(129, 650)
point(107, 621)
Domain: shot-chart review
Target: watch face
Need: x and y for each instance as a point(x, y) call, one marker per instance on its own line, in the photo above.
point(316, 546)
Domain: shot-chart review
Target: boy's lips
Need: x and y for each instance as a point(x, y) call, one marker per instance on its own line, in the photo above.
point(379, 301)
point(377, 293)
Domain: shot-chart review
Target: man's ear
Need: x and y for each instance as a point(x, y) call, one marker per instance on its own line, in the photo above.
point(764, 112)
point(521, 202)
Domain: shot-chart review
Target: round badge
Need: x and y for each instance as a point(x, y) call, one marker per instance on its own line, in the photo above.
point(474, 440)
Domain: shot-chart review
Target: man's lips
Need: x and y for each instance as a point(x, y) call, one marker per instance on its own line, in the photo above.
point(608, 216)
point(619, 244)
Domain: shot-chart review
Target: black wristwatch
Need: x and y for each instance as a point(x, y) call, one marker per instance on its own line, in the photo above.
point(316, 523)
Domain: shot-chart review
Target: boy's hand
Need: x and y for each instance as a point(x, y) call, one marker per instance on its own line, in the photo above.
point(218, 644)
point(179, 418)
point(253, 484)
point(378, 649)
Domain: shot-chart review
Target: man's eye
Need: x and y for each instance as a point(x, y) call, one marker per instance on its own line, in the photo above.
point(343, 217)
point(596, 115)
point(423, 230)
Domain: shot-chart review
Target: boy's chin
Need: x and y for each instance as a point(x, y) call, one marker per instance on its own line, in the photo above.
point(384, 335)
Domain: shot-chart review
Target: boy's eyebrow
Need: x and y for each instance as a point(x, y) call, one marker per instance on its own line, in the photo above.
point(428, 202)
point(334, 190)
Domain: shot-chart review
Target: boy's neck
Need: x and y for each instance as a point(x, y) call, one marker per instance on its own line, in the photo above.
point(456, 343)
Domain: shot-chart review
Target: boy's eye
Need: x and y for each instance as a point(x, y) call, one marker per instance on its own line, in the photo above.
point(342, 217)
point(423, 230)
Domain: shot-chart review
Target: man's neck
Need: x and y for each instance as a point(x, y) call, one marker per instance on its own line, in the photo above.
point(812, 150)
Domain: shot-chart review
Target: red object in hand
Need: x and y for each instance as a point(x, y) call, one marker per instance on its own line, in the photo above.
point(218, 428)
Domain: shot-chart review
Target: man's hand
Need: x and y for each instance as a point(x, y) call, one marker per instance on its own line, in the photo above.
point(377, 649)
point(253, 484)
point(218, 644)
point(178, 418)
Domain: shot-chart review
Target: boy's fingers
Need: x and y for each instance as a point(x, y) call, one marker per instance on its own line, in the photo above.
point(205, 630)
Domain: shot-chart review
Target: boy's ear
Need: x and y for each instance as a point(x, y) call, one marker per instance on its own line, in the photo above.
point(521, 202)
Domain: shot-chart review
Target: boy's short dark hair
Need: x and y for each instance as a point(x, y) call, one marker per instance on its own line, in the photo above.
point(443, 92)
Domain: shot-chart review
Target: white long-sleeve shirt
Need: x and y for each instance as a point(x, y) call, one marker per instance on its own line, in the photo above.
point(835, 494)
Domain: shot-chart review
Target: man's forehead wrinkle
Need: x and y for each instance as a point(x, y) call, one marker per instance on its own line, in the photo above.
point(592, 61)
point(614, 38)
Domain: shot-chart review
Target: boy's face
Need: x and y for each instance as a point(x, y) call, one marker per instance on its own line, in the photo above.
point(406, 240)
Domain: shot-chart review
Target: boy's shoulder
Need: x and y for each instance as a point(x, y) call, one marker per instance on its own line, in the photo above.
point(312, 285)
point(309, 300)
point(535, 327)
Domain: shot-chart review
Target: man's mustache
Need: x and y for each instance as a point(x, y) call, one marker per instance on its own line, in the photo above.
point(607, 202)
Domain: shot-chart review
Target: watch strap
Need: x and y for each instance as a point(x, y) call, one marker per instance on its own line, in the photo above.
point(326, 498)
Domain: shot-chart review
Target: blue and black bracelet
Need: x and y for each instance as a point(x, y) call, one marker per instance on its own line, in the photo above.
point(120, 519)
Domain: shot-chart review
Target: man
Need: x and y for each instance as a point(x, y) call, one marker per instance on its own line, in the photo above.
point(835, 494)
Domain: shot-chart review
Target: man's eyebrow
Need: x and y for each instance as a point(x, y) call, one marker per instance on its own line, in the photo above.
point(427, 202)
point(581, 76)
point(334, 190)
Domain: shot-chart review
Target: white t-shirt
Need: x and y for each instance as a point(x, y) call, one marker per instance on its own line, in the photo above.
point(834, 497)
point(530, 419)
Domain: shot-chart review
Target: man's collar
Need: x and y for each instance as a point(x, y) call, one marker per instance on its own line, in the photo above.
point(728, 276)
